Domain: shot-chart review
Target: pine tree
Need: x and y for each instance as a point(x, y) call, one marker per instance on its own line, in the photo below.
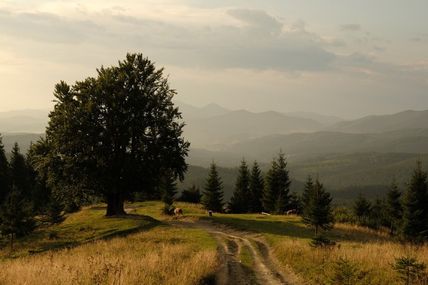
point(212, 198)
point(256, 189)
point(168, 190)
point(307, 191)
point(16, 216)
point(270, 188)
point(318, 211)
point(362, 208)
point(415, 207)
point(377, 214)
point(53, 211)
point(239, 202)
point(296, 203)
point(284, 182)
point(20, 173)
point(276, 195)
point(4, 173)
point(393, 208)
point(191, 195)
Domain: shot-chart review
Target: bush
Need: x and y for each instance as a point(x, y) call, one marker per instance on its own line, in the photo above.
point(410, 270)
point(191, 195)
point(321, 241)
point(343, 215)
point(347, 273)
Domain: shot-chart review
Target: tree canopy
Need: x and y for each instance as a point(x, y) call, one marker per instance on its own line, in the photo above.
point(116, 133)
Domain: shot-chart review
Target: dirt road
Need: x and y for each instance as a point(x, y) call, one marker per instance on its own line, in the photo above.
point(234, 246)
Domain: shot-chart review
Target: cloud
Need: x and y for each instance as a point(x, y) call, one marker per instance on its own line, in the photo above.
point(256, 40)
point(257, 20)
point(46, 27)
point(351, 27)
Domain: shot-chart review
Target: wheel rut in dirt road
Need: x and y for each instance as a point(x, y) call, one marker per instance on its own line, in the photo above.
point(244, 257)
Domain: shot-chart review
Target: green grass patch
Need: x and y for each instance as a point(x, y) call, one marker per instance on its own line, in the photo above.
point(246, 257)
point(87, 225)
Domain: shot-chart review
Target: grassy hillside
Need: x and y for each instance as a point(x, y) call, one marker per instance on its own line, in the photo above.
point(89, 248)
point(149, 248)
point(371, 254)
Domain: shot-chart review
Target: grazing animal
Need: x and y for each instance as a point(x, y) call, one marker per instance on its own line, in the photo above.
point(178, 211)
point(291, 212)
point(210, 213)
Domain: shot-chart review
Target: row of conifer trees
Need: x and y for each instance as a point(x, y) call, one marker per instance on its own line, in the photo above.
point(404, 213)
point(255, 192)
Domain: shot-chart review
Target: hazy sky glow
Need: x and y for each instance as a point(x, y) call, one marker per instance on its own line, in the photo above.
point(333, 57)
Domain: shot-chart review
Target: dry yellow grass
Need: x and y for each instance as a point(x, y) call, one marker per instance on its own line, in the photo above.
point(374, 258)
point(163, 255)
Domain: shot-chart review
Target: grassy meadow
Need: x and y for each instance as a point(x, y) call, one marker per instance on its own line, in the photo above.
point(88, 248)
point(143, 248)
point(368, 253)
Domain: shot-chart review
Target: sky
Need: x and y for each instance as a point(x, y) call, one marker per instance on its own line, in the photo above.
point(343, 58)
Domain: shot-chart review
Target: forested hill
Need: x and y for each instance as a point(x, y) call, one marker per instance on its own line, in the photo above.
point(345, 175)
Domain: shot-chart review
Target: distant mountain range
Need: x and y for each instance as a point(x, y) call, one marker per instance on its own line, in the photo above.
point(384, 123)
point(23, 121)
point(353, 156)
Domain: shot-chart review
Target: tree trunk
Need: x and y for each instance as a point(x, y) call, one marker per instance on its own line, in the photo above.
point(115, 205)
point(11, 242)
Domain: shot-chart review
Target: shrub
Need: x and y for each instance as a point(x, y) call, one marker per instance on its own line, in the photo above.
point(410, 270)
point(347, 273)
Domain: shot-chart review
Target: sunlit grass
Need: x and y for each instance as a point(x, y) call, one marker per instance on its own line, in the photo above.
point(89, 248)
point(163, 255)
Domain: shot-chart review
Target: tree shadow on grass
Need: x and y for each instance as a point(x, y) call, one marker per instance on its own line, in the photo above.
point(67, 236)
point(296, 229)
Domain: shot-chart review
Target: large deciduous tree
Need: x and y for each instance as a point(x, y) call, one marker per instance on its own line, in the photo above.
point(117, 133)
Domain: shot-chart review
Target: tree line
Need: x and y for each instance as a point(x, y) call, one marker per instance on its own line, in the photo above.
point(403, 212)
point(23, 195)
point(270, 193)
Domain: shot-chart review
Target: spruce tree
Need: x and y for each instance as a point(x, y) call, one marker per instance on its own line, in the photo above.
point(16, 216)
point(415, 207)
point(284, 182)
point(239, 202)
point(296, 203)
point(191, 195)
point(256, 189)
point(318, 211)
point(377, 214)
point(362, 208)
point(4, 173)
point(307, 191)
point(212, 198)
point(270, 188)
point(393, 208)
point(20, 173)
point(276, 195)
point(168, 191)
